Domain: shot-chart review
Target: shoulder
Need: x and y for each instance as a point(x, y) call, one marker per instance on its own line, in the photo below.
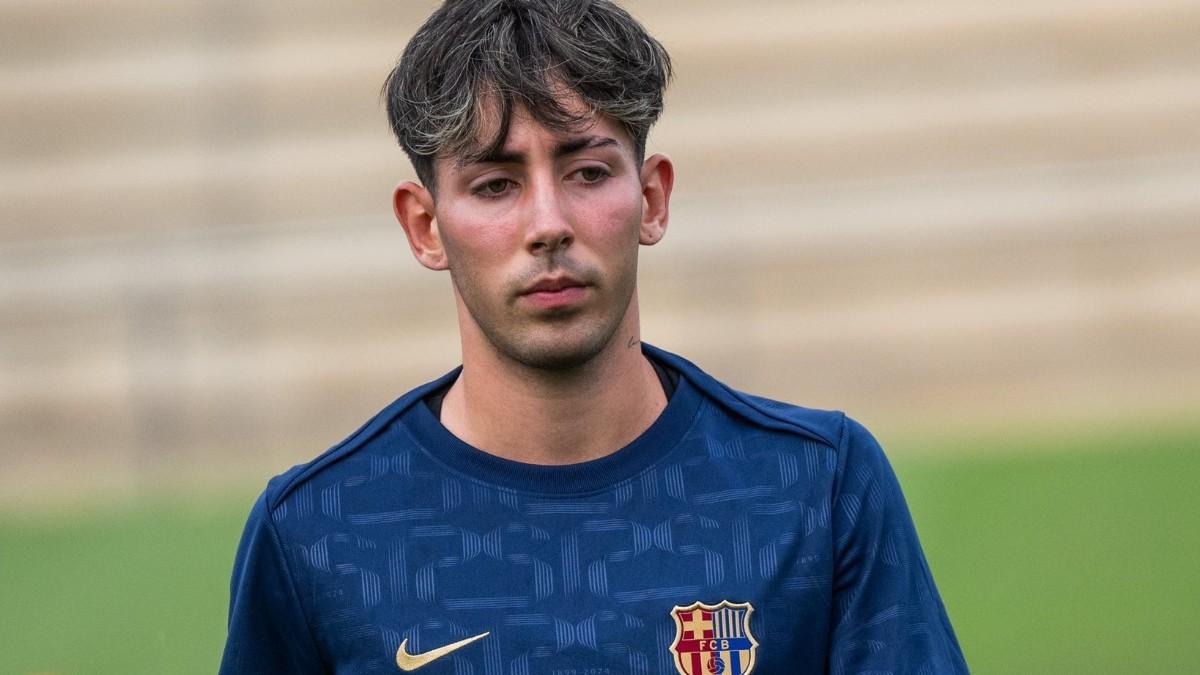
point(811, 425)
point(288, 483)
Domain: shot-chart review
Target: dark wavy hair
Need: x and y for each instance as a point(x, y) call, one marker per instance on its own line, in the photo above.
point(473, 58)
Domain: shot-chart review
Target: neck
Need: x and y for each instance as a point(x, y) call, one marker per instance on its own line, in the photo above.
point(555, 417)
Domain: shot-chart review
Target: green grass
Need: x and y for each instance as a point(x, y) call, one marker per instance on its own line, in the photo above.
point(1074, 555)
point(1083, 560)
point(142, 588)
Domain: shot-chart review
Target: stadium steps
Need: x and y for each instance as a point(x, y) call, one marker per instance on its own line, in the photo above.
point(910, 210)
point(257, 113)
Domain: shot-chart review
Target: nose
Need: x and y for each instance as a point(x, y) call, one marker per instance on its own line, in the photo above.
point(548, 226)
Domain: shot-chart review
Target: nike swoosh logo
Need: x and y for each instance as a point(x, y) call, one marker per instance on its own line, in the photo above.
point(408, 661)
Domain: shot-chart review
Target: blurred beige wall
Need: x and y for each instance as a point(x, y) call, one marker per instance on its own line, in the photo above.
point(930, 213)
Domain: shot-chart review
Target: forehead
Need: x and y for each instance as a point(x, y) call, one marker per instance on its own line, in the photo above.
point(502, 131)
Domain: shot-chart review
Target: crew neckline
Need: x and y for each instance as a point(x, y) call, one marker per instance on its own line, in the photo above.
point(657, 441)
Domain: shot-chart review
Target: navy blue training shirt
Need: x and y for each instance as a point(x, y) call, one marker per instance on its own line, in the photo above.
point(735, 535)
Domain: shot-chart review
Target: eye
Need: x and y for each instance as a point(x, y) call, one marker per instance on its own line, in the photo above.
point(592, 174)
point(493, 188)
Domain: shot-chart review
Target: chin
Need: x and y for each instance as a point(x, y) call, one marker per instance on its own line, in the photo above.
point(551, 342)
point(560, 356)
point(556, 350)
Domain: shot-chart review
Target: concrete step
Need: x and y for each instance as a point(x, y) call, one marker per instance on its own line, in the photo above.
point(48, 282)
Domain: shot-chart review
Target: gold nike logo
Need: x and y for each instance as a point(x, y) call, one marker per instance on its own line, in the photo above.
point(408, 661)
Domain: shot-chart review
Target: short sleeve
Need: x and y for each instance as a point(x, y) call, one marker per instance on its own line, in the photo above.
point(887, 615)
point(268, 632)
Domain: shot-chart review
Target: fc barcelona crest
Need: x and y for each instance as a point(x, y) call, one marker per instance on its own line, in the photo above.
point(714, 639)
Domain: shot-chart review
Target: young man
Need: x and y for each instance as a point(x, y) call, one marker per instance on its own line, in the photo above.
point(571, 500)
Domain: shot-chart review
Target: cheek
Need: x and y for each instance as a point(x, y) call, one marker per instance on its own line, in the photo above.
point(475, 238)
point(616, 217)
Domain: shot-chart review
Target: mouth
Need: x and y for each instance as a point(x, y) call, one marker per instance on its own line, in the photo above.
point(555, 292)
point(553, 285)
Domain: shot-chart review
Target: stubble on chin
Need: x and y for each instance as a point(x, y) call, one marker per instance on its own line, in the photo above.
point(549, 342)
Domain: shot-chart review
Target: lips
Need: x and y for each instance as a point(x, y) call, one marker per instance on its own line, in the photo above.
point(553, 285)
point(555, 292)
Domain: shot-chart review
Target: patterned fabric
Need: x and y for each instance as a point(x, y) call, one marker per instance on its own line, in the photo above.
point(402, 532)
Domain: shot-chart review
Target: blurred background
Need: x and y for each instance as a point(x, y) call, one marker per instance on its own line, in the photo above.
point(973, 225)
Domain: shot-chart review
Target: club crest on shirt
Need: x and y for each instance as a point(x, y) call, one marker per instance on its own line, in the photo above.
point(714, 639)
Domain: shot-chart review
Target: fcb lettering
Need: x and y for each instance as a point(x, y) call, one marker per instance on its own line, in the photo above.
point(714, 639)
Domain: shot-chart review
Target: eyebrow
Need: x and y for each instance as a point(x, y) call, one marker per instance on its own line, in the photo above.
point(561, 149)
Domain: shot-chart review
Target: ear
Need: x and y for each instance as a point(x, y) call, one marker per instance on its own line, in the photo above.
point(658, 177)
point(417, 214)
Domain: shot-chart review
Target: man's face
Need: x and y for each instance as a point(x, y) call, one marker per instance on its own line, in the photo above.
point(541, 240)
